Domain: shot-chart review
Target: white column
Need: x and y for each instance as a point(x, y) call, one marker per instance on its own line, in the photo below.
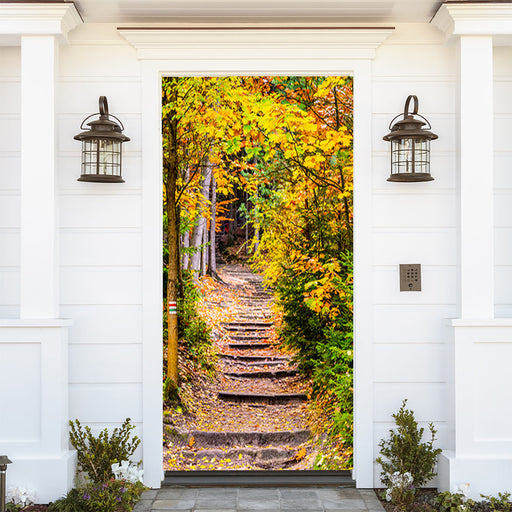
point(39, 283)
point(476, 177)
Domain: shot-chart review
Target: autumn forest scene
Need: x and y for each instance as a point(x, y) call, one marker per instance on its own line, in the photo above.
point(257, 250)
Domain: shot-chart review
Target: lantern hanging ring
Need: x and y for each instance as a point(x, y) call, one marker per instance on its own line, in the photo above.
point(103, 113)
point(407, 114)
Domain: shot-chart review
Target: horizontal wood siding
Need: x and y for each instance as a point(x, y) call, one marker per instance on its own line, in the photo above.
point(10, 166)
point(502, 181)
point(414, 223)
point(100, 233)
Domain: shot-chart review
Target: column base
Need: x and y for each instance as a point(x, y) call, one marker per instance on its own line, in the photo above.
point(484, 475)
point(49, 477)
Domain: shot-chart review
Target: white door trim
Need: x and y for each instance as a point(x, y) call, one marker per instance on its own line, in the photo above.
point(265, 52)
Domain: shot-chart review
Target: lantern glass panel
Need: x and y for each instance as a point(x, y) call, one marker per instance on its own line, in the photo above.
point(422, 156)
point(410, 155)
point(89, 156)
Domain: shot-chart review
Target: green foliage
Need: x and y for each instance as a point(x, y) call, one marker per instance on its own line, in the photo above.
point(420, 507)
point(15, 507)
point(404, 451)
point(97, 454)
point(170, 391)
point(193, 332)
point(110, 496)
point(323, 344)
point(452, 502)
point(500, 504)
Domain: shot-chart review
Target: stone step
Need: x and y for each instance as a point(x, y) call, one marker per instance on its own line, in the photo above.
point(262, 359)
point(260, 363)
point(249, 346)
point(204, 439)
point(246, 326)
point(232, 453)
point(249, 331)
point(261, 398)
point(262, 374)
point(257, 458)
point(246, 337)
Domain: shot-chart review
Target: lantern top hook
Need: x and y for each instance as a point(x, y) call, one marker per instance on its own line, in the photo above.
point(412, 124)
point(103, 103)
point(104, 124)
point(407, 103)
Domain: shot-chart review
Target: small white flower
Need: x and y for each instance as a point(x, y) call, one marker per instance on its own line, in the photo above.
point(127, 471)
point(21, 496)
point(388, 494)
point(464, 490)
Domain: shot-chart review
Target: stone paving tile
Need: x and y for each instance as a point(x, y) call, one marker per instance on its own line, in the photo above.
point(143, 506)
point(345, 504)
point(255, 505)
point(178, 493)
point(215, 504)
point(265, 499)
point(311, 504)
point(173, 504)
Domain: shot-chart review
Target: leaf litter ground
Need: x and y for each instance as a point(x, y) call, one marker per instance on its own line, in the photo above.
point(239, 311)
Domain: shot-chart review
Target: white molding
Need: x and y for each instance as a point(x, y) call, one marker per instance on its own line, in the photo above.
point(172, 43)
point(38, 18)
point(35, 322)
point(474, 19)
point(480, 322)
point(153, 70)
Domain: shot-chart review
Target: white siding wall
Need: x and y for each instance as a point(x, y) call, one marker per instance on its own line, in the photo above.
point(414, 223)
point(100, 233)
point(502, 179)
point(101, 237)
point(9, 181)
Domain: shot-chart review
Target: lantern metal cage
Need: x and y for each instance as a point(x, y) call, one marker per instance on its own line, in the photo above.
point(410, 145)
point(102, 147)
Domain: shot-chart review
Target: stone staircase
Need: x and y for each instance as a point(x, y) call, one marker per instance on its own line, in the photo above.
point(257, 376)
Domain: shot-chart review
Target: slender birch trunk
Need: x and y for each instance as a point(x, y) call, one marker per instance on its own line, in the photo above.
point(204, 250)
point(186, 235)
point(212, 268)
point(197, 234)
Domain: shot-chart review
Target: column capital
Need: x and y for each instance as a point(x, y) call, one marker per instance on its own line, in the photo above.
point(457, 18)
point(48, 18)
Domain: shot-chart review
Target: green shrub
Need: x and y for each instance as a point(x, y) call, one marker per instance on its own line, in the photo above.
point(323, 344)
point(110, 496)
point(193, 331)
point(452, 502)
point(404, 452)
point(97, 454)
point(500, 504)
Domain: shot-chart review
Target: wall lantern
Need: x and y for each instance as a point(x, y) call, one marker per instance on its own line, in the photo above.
point(410, 146)
point(101, 147)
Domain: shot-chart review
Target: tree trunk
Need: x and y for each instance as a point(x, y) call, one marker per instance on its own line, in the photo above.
point(197, 234)
point(246, 223)
point(212, 268)
point(186, 235)
point(172, 240)
point(204, 250)
point(231, 221)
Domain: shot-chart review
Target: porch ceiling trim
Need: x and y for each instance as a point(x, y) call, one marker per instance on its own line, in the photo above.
point(164, 42)
point(481, 18)
point(18, 19)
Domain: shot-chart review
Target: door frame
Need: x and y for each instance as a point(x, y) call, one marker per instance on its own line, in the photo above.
point(259, 51)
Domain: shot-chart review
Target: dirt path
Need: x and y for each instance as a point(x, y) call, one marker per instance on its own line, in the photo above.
point(253, 415)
